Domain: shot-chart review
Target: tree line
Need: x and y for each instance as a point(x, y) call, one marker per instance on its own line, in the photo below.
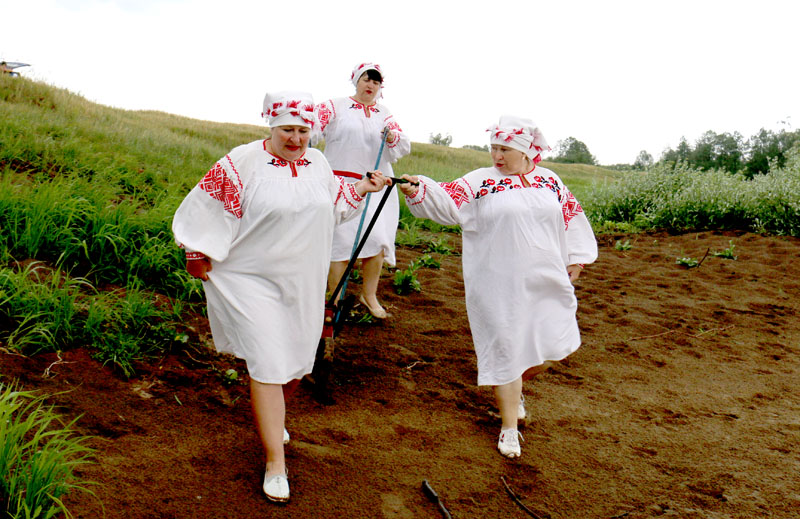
point(725, 151)
point(732, 152)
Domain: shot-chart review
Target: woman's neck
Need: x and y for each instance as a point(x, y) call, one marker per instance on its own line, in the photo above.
point(526, 168)
point(363, 101)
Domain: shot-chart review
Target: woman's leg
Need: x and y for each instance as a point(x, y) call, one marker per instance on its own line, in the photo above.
point(270, 412)
point(335, 273)
point(508, 400)
point(371, 268)
point(508, 396)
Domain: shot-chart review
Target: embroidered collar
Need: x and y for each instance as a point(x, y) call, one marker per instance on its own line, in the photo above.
point(361, 106)
point(280, 162)
point(491, 186)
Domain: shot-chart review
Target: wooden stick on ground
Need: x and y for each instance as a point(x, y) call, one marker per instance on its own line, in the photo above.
point(517, 500)
point(704, 258)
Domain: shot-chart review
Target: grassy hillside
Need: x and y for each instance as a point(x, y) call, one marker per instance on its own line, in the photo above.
point(87, 194)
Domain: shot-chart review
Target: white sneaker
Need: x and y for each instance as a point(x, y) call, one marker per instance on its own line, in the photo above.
point(285, 436)
point(508, 444)
point(276, 488)
point(521, 413)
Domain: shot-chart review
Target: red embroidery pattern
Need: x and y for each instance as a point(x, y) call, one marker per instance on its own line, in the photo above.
point(367, 109)
point(456, 192)
point(569, 204)
point(195, 255)
point(419, 196)
point(392, 125)
point(295, 107)
point(325, 113)
point(351, 188)
point(220, 187)
point(570, 207)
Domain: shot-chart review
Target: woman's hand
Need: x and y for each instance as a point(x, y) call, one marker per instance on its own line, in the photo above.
point(198, 267)
point(574, 271)
point(409, 189)
point(372, 182)
point(390, 135)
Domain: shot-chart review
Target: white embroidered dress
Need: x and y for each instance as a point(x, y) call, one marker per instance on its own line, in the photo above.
point(352, 133)
point(519, 235)
point(266, 224)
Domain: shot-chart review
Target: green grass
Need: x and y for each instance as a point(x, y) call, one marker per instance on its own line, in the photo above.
point(39, 455)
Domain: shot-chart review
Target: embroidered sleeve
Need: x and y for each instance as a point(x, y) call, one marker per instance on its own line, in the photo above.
point(219, 185)
point(401, 145)
point(392, 125)
point(325, 113)
point(570, 207)
point(456, 192)
point(439, 201)
point(348, 194)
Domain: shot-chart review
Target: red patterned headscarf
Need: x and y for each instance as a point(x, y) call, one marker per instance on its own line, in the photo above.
point(289, 108)
point(520, 134)
point(359, 70)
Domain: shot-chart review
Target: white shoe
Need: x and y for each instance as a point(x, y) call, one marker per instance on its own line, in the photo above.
point(285, 436)
point(521, 413)
point(276, 488)
point(378, 313)
point(508, 444)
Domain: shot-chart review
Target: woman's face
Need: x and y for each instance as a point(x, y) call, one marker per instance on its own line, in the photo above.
point(367, 89)
point(290, 142)
point(509, 161)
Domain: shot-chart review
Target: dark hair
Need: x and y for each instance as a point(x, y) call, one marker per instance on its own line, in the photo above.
point(374, 75)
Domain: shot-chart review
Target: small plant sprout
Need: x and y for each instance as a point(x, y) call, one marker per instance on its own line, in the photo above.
point(439, 245)
point(231, 376)
point(620, 245)
point(429, 262)
point(727, 253)
point(405, 281)
point(687, 262)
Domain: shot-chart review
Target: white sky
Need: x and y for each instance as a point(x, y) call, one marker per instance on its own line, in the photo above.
point(621, 76)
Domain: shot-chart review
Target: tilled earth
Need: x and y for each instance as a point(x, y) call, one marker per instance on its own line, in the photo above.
point(682, 402)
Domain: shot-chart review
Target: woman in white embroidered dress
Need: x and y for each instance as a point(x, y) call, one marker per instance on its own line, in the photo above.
point(525, 240)
point(257, 230)
point(353, 128)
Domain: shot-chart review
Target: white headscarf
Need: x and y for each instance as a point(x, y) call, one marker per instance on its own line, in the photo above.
point(289, 108)
point(520, 134)
point(359, 70)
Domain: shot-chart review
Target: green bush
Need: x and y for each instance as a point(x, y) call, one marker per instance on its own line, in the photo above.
point(685, 199)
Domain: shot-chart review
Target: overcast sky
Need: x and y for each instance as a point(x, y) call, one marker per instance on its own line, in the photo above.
point(621, 76)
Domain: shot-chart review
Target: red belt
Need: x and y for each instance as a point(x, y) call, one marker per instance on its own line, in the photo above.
point(349, 174)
